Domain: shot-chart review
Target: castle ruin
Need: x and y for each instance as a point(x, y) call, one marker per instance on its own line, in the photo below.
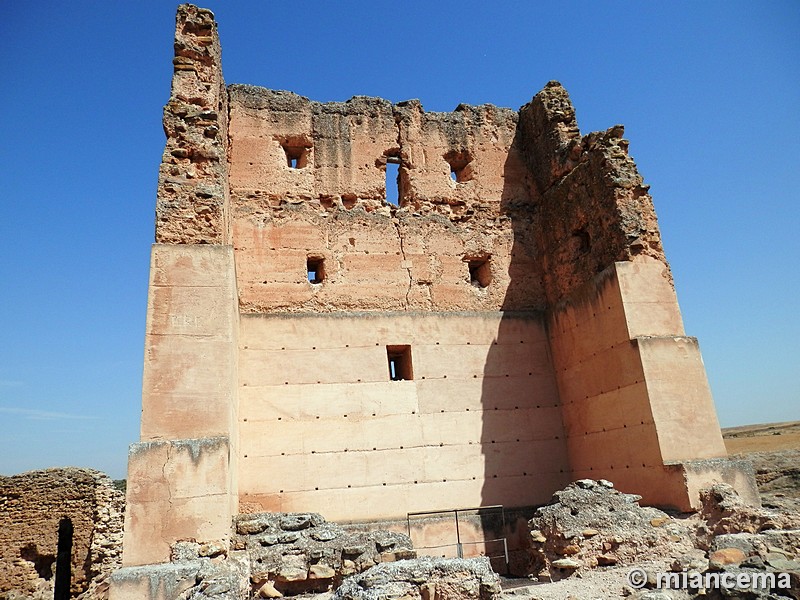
point(510, 325)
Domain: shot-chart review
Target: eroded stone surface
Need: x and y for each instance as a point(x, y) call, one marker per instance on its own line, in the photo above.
point(31, 508)
point(626, 533)
point(301, 552)
point(507, 324)
point(425, 579)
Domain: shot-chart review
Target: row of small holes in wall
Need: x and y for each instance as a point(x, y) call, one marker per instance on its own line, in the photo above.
point(301, 348)
point(601, 392)
point(480, 272)
point(400, 372)
point(413, 412)
point(439, 445)
point(610, 429)
point(596, 353)
point(401, 368)
point(423, 482)
point(577, 323)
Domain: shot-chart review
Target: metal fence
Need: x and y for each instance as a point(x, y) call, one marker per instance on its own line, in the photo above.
point(481, 512)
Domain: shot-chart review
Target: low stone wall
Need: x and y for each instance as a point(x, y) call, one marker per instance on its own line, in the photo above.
point(301, 552)
point(32, 505)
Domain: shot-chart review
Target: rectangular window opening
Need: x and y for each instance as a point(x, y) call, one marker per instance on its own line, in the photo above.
point(315, 269)
point(480, 272)
point(296, 156)
point(399, 358)
point(393, 180)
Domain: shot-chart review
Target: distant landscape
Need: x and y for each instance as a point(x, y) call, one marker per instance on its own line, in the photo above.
point(774, 450)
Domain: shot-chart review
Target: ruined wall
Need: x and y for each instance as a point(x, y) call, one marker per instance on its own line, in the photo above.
point(192, 203)
point(508, 325)
point(635, 398)
point(594, 206)
point(331, 206)
point(182, 477)
point(31, 507)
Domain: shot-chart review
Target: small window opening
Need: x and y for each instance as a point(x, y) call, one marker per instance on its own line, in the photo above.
point(393, 180)
point(480, 271)
point(460, 165)
point(581, 241)
point(297, 149)
point(399, 363)
point(296, 156)
point(315, 269)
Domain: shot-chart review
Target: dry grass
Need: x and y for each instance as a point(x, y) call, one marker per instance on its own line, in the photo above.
point(769, 437)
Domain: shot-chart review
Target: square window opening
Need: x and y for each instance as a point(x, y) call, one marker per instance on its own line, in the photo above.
point(400, 367)
point(480, 271)
point(315, 269)
point(460, 165)
point(296, 156)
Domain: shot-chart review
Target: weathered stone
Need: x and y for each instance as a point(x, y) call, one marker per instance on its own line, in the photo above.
point(693, 560)
point(619, 530)
point(295, 522)
point(589, 533)
point(444, 579)
point(268, 591)
point(567, 563)
point(604, 560)
point(726, 556)
point(32, 506)
point(321, 572)
point(283, 276)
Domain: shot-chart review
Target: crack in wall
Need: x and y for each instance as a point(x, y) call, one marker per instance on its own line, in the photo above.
point(396, 223)
point(171, 507)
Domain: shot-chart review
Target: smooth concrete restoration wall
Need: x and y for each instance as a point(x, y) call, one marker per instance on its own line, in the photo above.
point(479, 423)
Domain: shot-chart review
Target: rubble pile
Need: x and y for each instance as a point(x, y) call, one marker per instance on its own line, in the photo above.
point(424, 579)
point(724, 512)
point(292, 553)
point(590, 524)
point(590, 537)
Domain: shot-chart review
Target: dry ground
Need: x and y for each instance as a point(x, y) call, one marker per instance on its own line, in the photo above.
point(768, 437)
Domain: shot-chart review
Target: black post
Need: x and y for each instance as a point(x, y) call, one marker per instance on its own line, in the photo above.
point(63, 560)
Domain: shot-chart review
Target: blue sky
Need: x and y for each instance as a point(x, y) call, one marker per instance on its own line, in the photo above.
point(709, 93)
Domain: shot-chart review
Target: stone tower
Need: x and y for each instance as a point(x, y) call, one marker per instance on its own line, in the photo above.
point(508, 326)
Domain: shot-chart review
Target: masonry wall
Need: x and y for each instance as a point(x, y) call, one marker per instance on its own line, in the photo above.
point(479, 423)
point(521, 270)
point(31, 508)
point(636, 402)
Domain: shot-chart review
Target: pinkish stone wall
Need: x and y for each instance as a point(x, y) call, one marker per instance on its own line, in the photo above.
point(479, 423)
point(522, 269)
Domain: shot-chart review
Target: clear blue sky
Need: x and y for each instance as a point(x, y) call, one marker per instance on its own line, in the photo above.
point(709, 93)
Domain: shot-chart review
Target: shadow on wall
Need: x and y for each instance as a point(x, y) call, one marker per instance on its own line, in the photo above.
point(523, 441)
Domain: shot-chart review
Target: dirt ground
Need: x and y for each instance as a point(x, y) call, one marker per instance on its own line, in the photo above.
point(767, 437)
point(774, 450)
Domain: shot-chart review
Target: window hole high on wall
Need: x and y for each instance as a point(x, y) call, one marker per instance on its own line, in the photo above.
point(460, 165)
point(393, 180)
point(296, 150)
point(315, 269)
point(480, 270)
point(400, 367)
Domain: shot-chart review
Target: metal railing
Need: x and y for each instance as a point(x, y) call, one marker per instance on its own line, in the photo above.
point(459, 545)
